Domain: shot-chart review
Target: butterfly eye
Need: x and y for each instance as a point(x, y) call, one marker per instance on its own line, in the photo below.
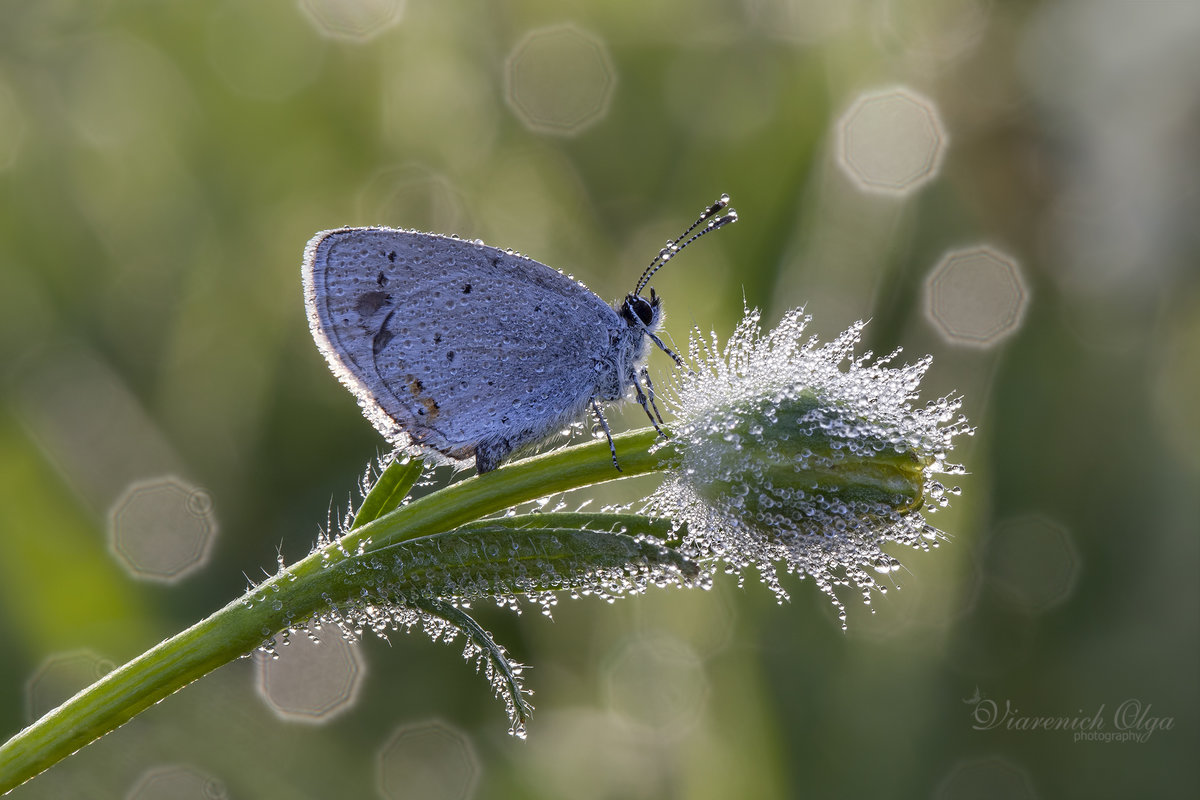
point(643, 309)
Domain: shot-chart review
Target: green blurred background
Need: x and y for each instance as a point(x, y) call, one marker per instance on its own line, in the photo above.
point(1012, 187)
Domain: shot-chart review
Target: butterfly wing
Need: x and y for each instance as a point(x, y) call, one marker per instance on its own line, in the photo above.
point(447, 343)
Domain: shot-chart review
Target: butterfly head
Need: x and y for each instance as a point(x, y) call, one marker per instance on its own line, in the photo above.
point(638, 312)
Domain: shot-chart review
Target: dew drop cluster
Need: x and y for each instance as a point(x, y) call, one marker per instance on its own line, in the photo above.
point(429, 584)
point(800, 454)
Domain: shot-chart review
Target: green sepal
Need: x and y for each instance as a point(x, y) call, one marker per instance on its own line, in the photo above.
point(389, 490)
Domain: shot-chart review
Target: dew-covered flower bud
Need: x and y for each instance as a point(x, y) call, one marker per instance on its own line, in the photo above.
point(792, 452)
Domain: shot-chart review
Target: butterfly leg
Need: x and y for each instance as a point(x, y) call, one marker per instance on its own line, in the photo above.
point(654, 338)
point(655, 418)
point(604, 424)
point(489, 454)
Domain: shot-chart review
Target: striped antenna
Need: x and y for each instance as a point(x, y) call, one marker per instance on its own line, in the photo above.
point(672, 249)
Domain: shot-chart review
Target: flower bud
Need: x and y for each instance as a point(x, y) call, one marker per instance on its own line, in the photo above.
point(792, 453)
point(810, 463)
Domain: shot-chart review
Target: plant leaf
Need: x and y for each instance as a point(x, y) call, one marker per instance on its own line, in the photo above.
point(497, 560)
point(389, 490)
point(509, 682)
point(636, 525)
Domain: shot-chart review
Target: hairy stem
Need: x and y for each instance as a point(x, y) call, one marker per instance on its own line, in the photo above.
point(298, 593)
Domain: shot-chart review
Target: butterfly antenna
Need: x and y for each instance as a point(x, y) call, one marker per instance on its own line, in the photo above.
point(672, 249)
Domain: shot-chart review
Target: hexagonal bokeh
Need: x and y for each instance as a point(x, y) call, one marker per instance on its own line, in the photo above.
point(12, 127)
point(119, 89)
point(803, 21)
point(413, 196)
point(311, 681)
point(658, 683)
point(587, 754)
point(59, 677)
point(353, 20)
point(177, 782)
point(1034, 562)
point(935, 30)
point(890, 141)
point(976, 296)
point(989, 778)
point(263, 50)
point(559, 80)
point(429, 760)
point(162, 529)
point(704, 621)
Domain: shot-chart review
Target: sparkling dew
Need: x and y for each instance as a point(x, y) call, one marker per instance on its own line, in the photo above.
point(795, 453)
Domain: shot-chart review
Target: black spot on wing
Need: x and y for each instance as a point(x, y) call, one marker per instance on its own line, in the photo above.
point(370, 303)
point(383, 336)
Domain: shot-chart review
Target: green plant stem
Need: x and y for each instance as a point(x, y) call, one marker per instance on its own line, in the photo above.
point(298, 593)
